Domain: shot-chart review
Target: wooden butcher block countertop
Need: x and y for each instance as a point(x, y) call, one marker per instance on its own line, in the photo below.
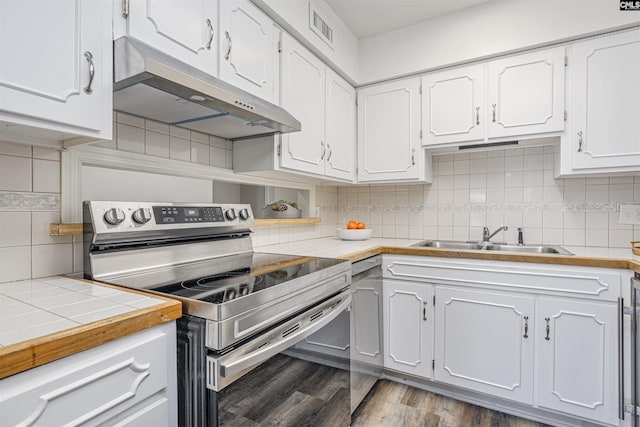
point(42, 320)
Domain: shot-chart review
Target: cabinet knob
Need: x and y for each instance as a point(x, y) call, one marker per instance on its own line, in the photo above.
point(92, 72)
point(579, 141)
point(493, 106)
point(210, 26)
point(229, 44)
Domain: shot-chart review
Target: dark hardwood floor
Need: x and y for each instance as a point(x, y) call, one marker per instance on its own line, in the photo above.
point(398, 405)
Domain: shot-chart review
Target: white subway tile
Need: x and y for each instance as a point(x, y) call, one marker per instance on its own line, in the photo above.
point(388, 198)
point(46, 176)
point(445, 168)
point(78, 258)
point(179, 149)
point(495, 180)
point(15, 173)
point(513, 179)
point(478, 155)
point(461, 233)
point(445, 196)
point(513, 219)
point(445, 219)
point(513, 164)
point(574, 194)
point(445, 233)
point(15, 229)
point(130, 120)
point(513, 152)
point(533, 179)
point(574, 237)
point(552, 236)
point(513, 195)
point(389, 231)
point(552, 220)
point(478, 181)
point(620, 238)
point(495, 164)
point(598, 238)
point(402, 232)
point(461, 219)
point(495, 219)
point(534, 162)
point(532, 220)
point(46, 154)
point(199, 153)
point(533, 194)
point(445, 182)
point(461, 182)
point(415, 232)
point(532, 236)
point(157, 144)
point(156, 127)
point(478, 166)
point(478, 196)
point(495, 153)
point(130, 138)
point(49, 260)
point(477, 219)
point(552, 195)
point(495, 195)
point(15, 263)
point(13, 149)
point(597, 220)
point(597, 193)
point(461, 196)
point(402, 197)
point(430, 232)
point(574, 220)
point(461, 167)
point(621, 192)
point(40, 222)
point(621, 180)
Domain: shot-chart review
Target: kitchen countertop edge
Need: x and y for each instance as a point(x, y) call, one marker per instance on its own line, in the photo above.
point(29, 354)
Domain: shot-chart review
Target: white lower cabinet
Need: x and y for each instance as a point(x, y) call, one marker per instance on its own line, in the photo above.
point(127, 382)
point(408, 327)
point(542, 336)
point(577, 367)
point(484, 342)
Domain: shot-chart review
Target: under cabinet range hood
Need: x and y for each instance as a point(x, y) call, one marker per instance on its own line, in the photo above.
point(153, 85)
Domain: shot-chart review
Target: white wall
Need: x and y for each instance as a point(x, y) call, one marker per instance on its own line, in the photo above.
point(487, 30)
point(293, 16)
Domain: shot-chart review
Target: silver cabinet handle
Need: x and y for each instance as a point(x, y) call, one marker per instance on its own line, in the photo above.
point(226, 55)
point(324, 150)
point(526, 327)
point(208, 21)
point(92, 71)
point(580, 141)
point(424, 311)
point(413, 157)
point(330, 152)
point(546, 319)
point(477, 115)
point(494, 112)
point(621, 355)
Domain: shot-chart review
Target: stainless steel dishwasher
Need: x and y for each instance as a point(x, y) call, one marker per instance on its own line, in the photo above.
point(366, 328)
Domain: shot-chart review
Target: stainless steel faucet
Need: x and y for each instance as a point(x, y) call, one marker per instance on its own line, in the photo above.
point(486, 236)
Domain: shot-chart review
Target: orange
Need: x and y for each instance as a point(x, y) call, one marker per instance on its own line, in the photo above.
point(360, 226)
point(352, 225)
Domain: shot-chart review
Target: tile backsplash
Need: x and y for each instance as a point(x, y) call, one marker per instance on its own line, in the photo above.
point(512, 187)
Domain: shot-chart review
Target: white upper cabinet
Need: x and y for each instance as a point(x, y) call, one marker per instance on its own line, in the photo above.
point(246, 46)
point(453, 105)
point(526, 94)
point(605, 98)
point(303, 95)
point(340, 127)
point(56, 71)
point(389, 146)
point(518, 96)
point(184, 29)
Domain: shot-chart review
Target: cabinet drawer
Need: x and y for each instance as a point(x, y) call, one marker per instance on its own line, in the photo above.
point(585, 282)
point(91, 385)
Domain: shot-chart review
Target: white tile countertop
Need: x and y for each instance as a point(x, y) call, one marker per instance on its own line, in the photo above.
point(37, 307)
point(334, 247)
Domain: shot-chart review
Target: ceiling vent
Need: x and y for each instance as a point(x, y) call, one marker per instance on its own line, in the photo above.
point(318, 24)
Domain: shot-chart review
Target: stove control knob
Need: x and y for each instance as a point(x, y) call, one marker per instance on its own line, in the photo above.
point(114, 216)
point(231, 214)
point(142, 215)
point(244, 214)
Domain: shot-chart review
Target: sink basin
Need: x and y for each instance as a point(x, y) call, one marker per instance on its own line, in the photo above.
point(489, 246)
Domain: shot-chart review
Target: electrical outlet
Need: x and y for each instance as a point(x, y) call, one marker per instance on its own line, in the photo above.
point(629, 214)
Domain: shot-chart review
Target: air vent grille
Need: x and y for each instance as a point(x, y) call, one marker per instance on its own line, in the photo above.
point(323, 27)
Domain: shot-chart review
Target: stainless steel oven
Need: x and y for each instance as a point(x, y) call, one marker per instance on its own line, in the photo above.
point(264, 338)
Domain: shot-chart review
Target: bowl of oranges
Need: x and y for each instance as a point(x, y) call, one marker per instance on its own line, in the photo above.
point(355, 231)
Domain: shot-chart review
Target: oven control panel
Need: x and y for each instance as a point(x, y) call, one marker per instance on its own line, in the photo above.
point(140, 217)
point(187, 214)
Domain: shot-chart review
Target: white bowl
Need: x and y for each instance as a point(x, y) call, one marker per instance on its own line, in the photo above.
point(346, 234)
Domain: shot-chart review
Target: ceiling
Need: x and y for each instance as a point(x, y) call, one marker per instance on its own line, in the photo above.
point(367, 18)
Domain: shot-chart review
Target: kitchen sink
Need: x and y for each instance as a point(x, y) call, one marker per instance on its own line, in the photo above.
point(494, 247)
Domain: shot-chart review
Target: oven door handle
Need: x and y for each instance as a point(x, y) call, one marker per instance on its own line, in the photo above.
point(228, 369)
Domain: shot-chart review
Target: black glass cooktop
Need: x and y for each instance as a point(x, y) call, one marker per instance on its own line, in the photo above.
point(251, 273)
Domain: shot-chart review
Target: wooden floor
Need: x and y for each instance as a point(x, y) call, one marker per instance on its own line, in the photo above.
point(399, 405)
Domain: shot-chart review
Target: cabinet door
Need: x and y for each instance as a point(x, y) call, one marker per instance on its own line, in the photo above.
point(366, 321)
point(453, 105)
point(184, 29)
point(50, 52)
point(340, 127)
point(246, 48)
point(303, 84)
point(389, 147)
point(577, 366)
point(408, 327)
point(526, 94)
point(606, 102)
point(484, 342)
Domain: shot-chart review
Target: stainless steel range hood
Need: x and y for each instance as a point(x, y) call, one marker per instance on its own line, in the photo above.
point(153, 85)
